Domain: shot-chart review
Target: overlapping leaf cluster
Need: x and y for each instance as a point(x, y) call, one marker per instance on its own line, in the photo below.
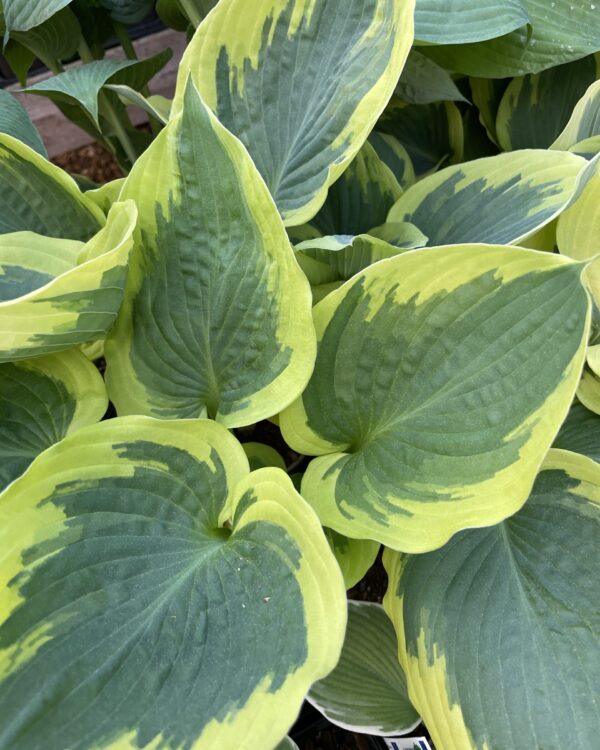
point(376, 226)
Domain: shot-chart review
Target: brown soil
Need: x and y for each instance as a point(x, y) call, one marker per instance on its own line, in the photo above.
point(92, 161)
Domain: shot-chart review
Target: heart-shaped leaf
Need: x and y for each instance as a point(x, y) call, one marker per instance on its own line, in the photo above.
point(82, 85)
point(217, 316)
point(499, 631)
point(143, 570)
point(442, 376)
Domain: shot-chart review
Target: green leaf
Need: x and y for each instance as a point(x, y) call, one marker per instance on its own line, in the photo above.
point(260, 456)
point(487, 94)
point(588, 391)
point(354, 556)
point(442, 376)
point(140, 552)
point(499, 199)
point(361, 198)
point(107, 194)
point(42, 401)
point(584, 122)
point(266, 71)
point(217, 317)
point(56, 294)
point(55, 39)
point(171, 14)
point(535, 108)
point(432, 134)
point(393, 153)
point(499, 630)
point(424, 82)
point(20, 60)
point(38, 196)
point(578, 228)
point(328, 261)
point(559, 33)
point(15, 121)
point(81, 85)
point(156, 106)
point(462, 21)
point(22, 15)
point(367, 691)
point(580, 433)
point(287, 744)
point(128, 11)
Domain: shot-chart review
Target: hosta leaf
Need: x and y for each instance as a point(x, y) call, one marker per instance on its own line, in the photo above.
point(20, 60)
point(55, 294)
point(128, 11)
point(442, 376)
point(588, 391)
point(55, 39)
point(462, 21)
point(260, 456)
point(354, 556)
point(328, 261)
point(499, 199)
point(559, 33)
point(22, 15)
point(41, 401)
point(107, 194)
point(217, 317)
point(15, 121)
point(478, 143)
point(588, 147)
point(535, 108)
point(156, 106)
point(367, 691)
point(395, 156)
point(144, 571)
point(584, 122)
point(423, 82)
point(578, 230)
point(499, 630)
point(580, 433)
point(432, 134)
point(487, 94)
point(266, 70)
point(361, 198)
point(287, 744)
point(81, 85)
point(38, 196)
point(171, 14)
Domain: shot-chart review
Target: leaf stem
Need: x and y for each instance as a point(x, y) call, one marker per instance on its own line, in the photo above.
point(125, 40)
point(191, 12)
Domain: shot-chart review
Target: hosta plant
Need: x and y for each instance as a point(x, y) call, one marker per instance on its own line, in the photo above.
point(345, 299)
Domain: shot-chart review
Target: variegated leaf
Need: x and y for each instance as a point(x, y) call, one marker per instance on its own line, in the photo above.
point(499, 630)
point(442, 376)
point(143, 571)
point(217, 316)
point(41, 401)
point(498, 199)
point(267, 71)
point(56, 294)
